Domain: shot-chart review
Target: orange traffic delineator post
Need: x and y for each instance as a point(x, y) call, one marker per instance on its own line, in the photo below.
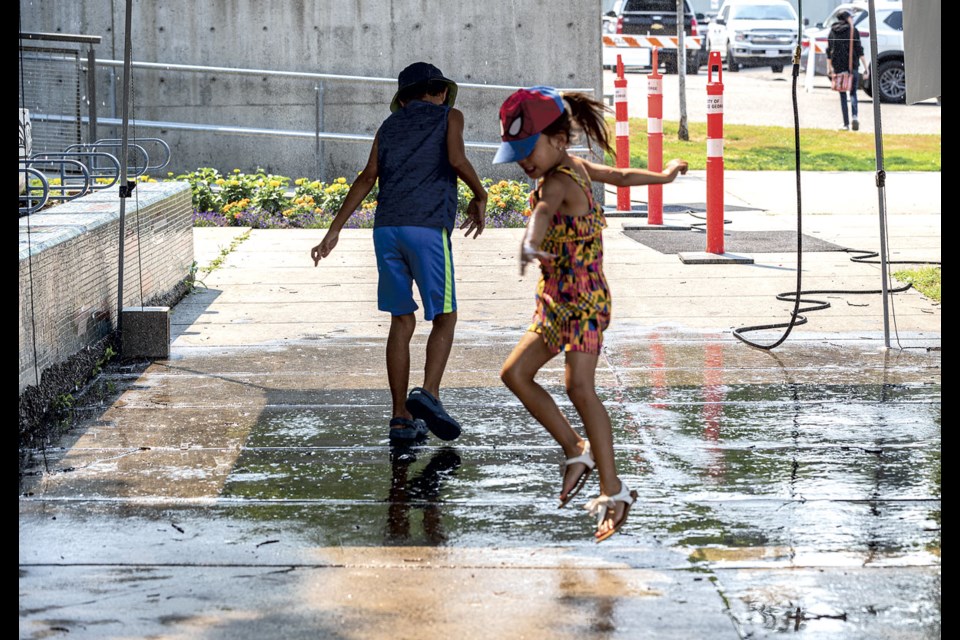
point(655, 154)
point(715, 156)
point(623, 132)
point(715, 251)
point(655, 141)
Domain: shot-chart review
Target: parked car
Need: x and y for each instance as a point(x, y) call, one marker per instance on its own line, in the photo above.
point(653, 18)
point(891, 75)
point(754, 33)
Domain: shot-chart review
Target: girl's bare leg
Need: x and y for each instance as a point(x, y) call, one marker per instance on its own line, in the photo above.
point(581, 371)
point(518, 373)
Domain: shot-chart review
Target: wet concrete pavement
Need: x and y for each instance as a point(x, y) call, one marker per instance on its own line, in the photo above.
point(244, 487)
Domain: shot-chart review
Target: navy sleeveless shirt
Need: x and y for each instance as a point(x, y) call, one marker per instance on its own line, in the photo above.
point(418, 187)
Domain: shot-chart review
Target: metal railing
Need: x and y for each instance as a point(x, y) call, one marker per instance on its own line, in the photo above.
point(318, 135)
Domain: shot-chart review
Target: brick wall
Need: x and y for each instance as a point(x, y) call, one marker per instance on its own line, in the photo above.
point(72, 252)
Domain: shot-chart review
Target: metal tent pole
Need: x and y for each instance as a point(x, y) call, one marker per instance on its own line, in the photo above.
point(124, 145)
point(881, 176)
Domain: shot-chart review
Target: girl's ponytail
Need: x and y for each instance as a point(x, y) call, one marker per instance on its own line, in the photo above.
point(588, 115)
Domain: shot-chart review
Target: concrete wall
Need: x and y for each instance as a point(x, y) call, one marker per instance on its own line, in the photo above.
point(514, 42)
point(68, 267)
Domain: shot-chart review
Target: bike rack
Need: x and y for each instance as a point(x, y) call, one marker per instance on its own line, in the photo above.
point(77, 180)
point(92, 160)
point(44, 188)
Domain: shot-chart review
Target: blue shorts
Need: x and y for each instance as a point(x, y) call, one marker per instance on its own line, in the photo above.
point(408, 254)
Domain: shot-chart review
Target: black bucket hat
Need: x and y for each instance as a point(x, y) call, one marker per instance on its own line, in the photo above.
point(422, 72)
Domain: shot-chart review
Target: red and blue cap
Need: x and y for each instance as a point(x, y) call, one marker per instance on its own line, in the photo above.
point(523, 116)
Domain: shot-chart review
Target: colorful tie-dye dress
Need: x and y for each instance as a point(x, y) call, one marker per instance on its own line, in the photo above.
point(573, 300)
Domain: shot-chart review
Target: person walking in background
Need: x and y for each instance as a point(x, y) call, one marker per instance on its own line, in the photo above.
point(844, 55)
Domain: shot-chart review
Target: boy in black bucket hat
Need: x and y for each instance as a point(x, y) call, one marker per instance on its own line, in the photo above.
point(417, 155)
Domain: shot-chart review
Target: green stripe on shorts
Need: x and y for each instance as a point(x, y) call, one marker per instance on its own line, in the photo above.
point(448, 274)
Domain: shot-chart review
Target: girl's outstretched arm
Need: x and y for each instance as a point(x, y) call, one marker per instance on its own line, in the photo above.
point(630, 177)
point(358, 191)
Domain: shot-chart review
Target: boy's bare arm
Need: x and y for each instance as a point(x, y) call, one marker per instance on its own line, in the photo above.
point(457, 155)
point(358, 191)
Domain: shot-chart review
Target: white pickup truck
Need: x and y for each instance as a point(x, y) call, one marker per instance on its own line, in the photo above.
point(754, 33)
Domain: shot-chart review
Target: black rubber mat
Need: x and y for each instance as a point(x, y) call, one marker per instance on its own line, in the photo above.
point(671, 242)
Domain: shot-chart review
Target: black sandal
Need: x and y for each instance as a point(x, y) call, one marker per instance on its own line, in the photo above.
point(424, 406)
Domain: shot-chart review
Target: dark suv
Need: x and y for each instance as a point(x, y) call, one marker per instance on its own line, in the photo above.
point(654, 18)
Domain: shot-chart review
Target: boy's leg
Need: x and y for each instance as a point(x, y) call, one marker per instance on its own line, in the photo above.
point(395, 296)
point(398, 361)
point(438, 350)
point(429, 254)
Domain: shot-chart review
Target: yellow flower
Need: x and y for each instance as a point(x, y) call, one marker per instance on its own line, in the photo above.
point(341, 180)
point(274, 183)
point(315, 184)
point(220, 181)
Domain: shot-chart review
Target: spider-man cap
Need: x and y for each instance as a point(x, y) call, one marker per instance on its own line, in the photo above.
point(523, 116)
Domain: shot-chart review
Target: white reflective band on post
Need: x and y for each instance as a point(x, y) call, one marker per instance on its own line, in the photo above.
point(654, 125)
point(654, 86)
point(714, 147)
point(623, 129)
point(620, 94)
point(714, 104)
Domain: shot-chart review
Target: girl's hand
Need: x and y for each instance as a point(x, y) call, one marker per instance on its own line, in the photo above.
point(675, 167)
point(323, 249)
point(529, 253)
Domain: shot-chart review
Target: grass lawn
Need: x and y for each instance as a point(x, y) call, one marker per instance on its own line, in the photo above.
point(925, 280)
point(754, 148)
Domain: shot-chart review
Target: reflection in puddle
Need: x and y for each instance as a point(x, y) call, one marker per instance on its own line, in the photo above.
point(421, 493)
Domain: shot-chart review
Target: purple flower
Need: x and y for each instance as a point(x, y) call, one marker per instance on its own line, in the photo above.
point(209, 219)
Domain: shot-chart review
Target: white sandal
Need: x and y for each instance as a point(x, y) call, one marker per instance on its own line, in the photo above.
point(601, 504)
point(586, 459)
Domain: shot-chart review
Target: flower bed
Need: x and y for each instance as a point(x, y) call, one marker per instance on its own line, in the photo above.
point(266, 201)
